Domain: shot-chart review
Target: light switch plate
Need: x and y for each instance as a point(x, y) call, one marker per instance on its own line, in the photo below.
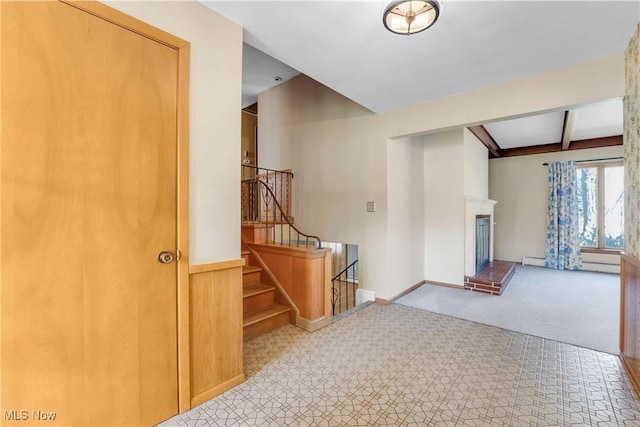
point(371, 206)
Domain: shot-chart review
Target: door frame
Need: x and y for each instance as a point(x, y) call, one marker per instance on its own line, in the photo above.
point(182, 175)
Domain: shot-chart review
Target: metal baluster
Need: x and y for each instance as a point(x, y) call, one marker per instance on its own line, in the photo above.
point(280, 210)
point(256, 201)
point(353, 283)
point(346, 291)
point(345, 279)
point(253, 201)
point(249, 213)
point(273, 210)
point(279, 182)
point(333, 298)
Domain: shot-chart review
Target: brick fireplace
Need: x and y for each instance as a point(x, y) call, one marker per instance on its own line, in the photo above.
point(477, 208)
point(482, 273)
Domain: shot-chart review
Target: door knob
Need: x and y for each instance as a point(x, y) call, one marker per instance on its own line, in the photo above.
point(165, 257)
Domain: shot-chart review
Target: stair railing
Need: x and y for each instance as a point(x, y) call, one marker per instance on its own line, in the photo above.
point(340, 301)
point(259, 193)
point(253, 208)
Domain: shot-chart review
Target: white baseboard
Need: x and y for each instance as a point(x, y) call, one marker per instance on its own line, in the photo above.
point(586, 266)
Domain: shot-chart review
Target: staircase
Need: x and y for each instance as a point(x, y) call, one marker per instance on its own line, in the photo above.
point(260, 311)
point(284, 277)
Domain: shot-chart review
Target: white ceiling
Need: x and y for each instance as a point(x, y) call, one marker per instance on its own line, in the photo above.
point(261, 72)
point(593, 121)
point(475, 43)
point(533, 130)
point(598, 121)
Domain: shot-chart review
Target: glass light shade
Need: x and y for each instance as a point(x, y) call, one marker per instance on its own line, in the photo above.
point(411, 16)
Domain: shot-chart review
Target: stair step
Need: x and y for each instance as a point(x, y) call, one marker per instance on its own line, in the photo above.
point(256, 289)
point(255, 316)
point(257, 296)
point(250, 275)
point(245, 256)
point(256, 232)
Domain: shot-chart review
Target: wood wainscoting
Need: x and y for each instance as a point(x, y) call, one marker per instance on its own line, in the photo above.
point(215, 312)
point(305, 276)
point(629, 320)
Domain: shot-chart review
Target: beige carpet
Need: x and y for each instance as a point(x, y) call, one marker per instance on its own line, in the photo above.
point(398, 366)
point(575, 307)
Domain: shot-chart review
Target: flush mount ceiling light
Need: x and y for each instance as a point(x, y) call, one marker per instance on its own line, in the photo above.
point(411, 16)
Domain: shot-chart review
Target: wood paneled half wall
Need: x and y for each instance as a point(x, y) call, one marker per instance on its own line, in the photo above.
point(215, 313)
point(630, 317)
point(305, 276)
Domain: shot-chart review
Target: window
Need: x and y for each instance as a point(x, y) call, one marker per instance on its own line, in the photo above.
point(601, 205)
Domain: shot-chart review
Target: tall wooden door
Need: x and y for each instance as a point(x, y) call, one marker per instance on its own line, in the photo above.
point(88, 201)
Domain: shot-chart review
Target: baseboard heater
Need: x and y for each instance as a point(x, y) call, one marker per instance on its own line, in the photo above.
point(586, 266)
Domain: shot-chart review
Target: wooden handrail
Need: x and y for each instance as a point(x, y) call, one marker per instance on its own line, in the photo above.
point(257, 193)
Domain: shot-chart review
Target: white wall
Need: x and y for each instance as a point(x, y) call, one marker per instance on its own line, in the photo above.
point(476, 167)
point(339, 165)
point(338, 149)
point(405, 216)
point(274, 147)
point(476, 193)
point(449, 166)
point(552, 91)
point(215, 97)
point(444, 210)
point(519, 185)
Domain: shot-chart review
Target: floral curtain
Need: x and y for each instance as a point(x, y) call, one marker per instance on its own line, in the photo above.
point(563, 234)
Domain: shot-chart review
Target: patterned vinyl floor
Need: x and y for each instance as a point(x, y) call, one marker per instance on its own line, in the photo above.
point(391, 365)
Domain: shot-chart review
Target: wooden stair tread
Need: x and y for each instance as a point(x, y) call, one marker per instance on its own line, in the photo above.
point(255, 316)
point(256, 289)
point(248, 269)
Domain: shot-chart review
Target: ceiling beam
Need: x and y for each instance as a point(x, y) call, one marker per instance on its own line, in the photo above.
point(607, 141)
point(567, 127)
point(251, 109)
point(485, 137)
point(554, 148)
